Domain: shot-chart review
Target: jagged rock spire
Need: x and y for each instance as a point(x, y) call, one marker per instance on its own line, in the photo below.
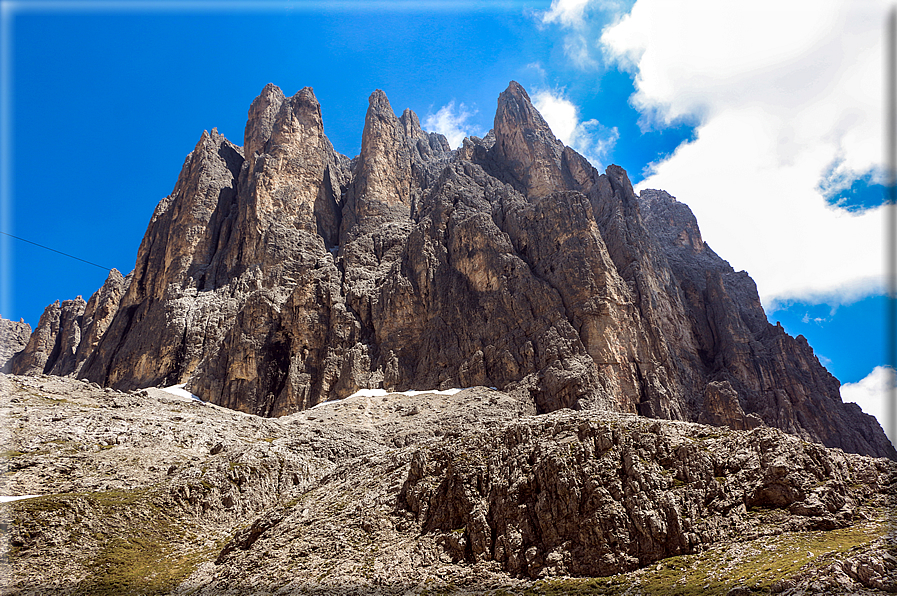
point(260, 122)
point(525, 143)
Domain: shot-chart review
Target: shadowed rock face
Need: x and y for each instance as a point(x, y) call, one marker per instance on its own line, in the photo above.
point(13, 339)
point(282, 274)
point(764, 371)
point(67, 333)
point(52, 346)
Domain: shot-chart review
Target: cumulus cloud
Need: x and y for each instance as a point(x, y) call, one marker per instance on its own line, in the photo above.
point(789, 111)
point(574, 17)
point(871, 394)
point(568, 13)
point(453, 123)
point(591, 139)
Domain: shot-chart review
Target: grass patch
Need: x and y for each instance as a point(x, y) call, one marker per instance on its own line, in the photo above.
point(143, 549)
point(43, 504)
point(766, 561)
point(598, 586)
point(756, 565)
point(144, 563)
point(146, 554)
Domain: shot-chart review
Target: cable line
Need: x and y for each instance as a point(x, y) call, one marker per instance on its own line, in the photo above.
point(57, 251)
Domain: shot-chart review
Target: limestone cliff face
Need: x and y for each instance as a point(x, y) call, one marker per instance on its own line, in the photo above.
point(147, 341)
point(768, 374)
point(13, 339)
point(54, 342)
point(282, 274)
point(97, 316)
point(67, 333)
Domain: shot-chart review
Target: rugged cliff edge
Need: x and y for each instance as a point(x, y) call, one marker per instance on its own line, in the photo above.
point(282, 274)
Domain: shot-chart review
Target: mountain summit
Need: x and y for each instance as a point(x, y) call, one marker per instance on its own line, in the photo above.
point(282, 274)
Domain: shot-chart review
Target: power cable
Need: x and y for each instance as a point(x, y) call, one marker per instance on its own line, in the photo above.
point(57, 251)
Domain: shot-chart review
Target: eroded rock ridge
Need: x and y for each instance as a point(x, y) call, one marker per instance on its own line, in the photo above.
point(282, 274)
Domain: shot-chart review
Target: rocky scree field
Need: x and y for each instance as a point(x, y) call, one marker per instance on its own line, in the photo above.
point(146, 492)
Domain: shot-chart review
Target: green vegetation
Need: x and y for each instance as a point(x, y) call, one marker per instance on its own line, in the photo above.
point(579, 587)
point(142, 549)
point(44, 504)
point(757, 565)
point(146, 556)
point(144, 563)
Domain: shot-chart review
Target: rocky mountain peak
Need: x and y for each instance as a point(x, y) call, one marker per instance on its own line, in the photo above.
point(299, 115)
point(411, 125)
point(569, 318)
point(525, 144)
point(380, 126)
point(677, 224)
point(52, 346)
point(260, 121)
point(382, 187)
point(298, 276)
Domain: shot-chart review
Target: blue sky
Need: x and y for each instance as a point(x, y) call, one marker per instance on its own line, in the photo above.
point(770, 129)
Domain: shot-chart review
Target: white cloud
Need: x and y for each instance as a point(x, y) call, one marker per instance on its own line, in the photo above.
point(789, 104)
point(574, 17)
point(590, 138)
point(453, 123)
point(871, 394)
point(568, 13)
point(537, 68)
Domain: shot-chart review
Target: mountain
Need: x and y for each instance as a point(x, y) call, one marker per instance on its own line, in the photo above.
point(282, 274)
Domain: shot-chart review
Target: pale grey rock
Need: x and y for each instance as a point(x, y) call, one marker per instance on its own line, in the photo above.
point(469, 492)
point(52, 346)
point(13, 339)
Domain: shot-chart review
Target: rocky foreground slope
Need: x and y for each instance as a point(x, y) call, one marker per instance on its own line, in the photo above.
point(281, 274)
point(145, 492)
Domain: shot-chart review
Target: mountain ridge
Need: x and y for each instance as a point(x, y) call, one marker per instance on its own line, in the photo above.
point(282, 274)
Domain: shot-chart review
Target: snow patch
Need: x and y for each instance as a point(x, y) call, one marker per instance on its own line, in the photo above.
point(181, 392)
point(6, 499)
point(411, 393)
point(384, 392)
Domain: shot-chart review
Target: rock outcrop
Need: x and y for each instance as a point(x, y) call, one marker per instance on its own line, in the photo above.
point(67, 333)
point(148, 492)
point(571, 494)
point(282, 274)
point(53, 344)
point(13, 339)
